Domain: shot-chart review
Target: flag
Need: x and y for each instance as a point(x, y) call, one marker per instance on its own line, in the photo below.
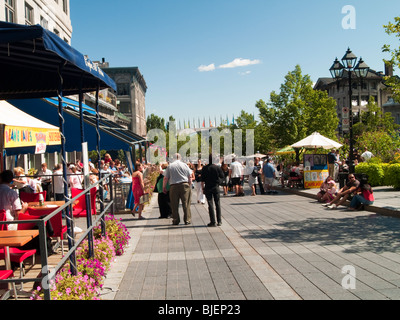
point(227, 120)
point(204, 123)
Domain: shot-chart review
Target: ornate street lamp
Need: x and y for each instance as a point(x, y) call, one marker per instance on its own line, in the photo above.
point(361, 70)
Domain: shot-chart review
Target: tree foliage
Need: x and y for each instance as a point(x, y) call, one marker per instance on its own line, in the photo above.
point(297, 111)
point(393, 81)
point(155, 122)
point(377, 132)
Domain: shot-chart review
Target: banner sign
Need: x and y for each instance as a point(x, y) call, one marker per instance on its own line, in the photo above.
point(315, 170)
point(15, 137)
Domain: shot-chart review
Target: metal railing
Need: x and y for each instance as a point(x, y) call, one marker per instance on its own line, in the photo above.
point(46, 274)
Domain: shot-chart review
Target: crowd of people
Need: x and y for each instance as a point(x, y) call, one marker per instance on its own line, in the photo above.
point(177, 179)
point(358, 191)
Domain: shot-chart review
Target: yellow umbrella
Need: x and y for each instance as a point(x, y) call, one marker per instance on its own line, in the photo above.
point(286, 150)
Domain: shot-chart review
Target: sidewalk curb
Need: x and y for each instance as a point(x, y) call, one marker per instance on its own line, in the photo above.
point(372, 208)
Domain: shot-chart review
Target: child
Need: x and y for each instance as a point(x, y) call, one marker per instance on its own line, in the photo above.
point(323, 189)
point(330, 192)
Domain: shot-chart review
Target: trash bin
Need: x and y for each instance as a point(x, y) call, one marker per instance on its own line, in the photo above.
point(121, 194)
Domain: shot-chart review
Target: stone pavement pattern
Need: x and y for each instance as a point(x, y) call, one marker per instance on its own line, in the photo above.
point(270, 247)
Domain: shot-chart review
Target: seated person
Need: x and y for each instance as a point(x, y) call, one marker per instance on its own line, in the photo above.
point(294, 175)
point(344, 193)
point(323, 189)
point(364, 196)
point(331, 192)
point(9, 199)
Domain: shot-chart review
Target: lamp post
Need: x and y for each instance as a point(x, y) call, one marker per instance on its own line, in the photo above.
point(361, 70)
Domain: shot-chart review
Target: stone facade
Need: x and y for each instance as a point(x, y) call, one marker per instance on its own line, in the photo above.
point(131, 95)
point(53, 15)
point(373, 85)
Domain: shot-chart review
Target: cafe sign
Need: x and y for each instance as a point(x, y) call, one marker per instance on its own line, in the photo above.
point(16, 137)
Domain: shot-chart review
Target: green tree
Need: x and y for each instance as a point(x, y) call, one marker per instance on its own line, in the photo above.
point(393, 81)
point(377, 131)
point(155, 122)
point(297, 111)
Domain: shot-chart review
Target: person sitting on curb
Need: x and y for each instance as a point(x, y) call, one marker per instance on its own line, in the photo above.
point(344, 193)
point(364, 196)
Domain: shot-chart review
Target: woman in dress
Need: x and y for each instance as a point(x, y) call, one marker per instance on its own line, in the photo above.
point(138, 189)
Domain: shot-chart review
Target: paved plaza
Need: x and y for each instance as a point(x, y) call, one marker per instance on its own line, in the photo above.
point(270, 247)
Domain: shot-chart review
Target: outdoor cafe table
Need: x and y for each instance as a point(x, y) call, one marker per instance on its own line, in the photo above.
point(16, 238)
point(46, 205)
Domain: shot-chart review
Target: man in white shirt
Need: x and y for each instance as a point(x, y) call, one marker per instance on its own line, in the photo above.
point(9, 199)
point(58, 183)
point(367, 155)
point(236, 176)
point(45, 178)
point(179, 177)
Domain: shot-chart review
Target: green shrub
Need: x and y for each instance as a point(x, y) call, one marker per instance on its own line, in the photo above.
point(374, 171)
point(392, 175)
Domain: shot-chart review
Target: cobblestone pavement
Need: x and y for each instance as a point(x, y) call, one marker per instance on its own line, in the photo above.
point(270, 247)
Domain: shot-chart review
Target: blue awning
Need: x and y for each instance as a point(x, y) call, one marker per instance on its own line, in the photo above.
point(112, 136)
point(30, 58)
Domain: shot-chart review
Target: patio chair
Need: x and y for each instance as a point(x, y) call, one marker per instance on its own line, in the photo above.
point(3, 227)
point(79, 209)
point(7, 274)
point(17, 255)
point(56, 223)
point(31, 197)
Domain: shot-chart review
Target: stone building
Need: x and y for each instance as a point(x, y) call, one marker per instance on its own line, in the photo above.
point(131, 95)
point(53, 15)
point(373, 85)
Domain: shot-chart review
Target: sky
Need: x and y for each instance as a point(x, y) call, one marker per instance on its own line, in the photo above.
point(211, 59)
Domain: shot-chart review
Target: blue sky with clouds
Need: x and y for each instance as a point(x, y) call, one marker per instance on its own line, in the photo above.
point(214, 58)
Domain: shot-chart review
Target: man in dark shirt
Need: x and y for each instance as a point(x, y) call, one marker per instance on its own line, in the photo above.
point(331, 163)
point(351, 186)
point(210, 180)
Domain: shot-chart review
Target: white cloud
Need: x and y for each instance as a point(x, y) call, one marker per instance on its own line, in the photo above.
point(244, 73)
point(203, 68)
point(239, 62)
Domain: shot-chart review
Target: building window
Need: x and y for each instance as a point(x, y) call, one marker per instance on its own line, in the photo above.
point(124, 107)
point(44, 23)
point(28, 15)
point(56, 32)
point(123, 89)
point(364, 85)
point(65, 6)
point(10, 11)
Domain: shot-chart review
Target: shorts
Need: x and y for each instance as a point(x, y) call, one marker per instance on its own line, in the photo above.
point(235, 181)
point(268, 181)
